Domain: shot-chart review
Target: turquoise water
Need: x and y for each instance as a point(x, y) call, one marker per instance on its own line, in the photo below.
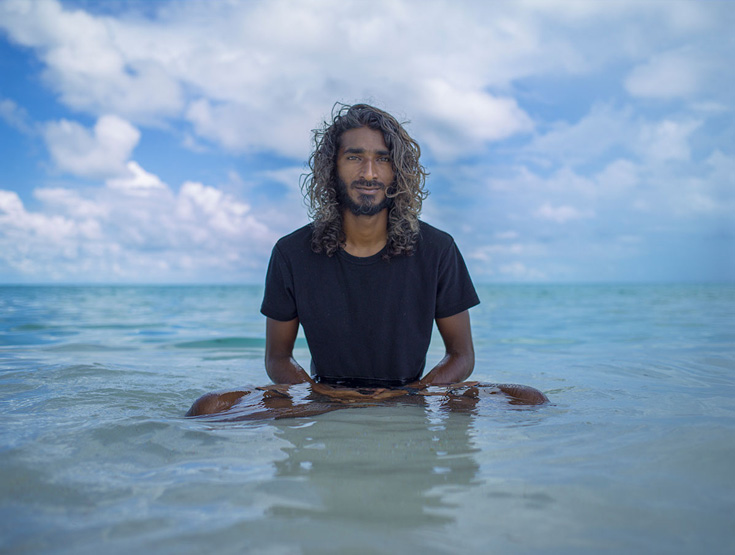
point(635, 454)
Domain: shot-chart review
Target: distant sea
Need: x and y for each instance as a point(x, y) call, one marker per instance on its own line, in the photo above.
point(635, 453)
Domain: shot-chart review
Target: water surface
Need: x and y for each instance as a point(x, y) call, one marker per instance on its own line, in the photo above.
point(635, 453)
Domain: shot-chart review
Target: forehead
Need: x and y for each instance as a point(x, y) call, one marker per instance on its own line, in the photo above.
point(362, 138)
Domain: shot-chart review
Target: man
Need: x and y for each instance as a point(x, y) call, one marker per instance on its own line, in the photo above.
point(366, 279)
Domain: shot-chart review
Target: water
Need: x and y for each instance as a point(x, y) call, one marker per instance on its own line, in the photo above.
point(635, 454)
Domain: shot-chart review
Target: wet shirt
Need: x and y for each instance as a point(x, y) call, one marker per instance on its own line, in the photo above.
point(367, 321)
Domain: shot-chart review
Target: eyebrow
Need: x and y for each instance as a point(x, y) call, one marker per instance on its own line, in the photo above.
point(355, 150)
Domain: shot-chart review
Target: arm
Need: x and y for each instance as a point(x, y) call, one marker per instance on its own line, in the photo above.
point(279, 362)
point(282, 368)
point(459, 361)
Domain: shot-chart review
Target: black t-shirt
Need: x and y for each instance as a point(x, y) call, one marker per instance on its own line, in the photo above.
point(367, 321)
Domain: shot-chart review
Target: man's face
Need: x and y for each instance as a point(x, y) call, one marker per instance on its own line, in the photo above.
point(364, 171)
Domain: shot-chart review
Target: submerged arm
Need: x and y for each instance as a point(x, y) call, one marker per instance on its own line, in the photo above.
point(459, 360)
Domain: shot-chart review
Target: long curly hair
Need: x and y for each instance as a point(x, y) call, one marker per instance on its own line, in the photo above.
point(320, 186)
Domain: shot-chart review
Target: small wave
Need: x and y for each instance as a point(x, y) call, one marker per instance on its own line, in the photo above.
point(223, 342)
point(31, 327)
point(86, 348)
point(538, 341)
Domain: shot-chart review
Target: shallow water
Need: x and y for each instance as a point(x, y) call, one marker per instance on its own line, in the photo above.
point(634, 454)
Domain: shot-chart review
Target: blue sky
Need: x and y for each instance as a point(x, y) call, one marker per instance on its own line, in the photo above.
point(568, 141)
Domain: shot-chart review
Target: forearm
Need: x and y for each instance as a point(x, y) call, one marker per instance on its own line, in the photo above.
point(453, 368)
point(280, 365)
point(285, 370)
point(459, 361)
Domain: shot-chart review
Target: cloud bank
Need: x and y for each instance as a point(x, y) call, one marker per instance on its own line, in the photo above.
point(566, 140)
point(133, 229)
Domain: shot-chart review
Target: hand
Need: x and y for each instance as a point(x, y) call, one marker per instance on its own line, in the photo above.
point(443, 389)
point(350, 395)
point(282, 389)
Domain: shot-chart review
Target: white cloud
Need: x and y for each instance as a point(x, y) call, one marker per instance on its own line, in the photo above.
point(289, 177)
point(222, 215)
point(241, 127)
point(509, 235)
point(593, 136)
point(39, 244)
point(723, 169)
point(15, 116)
point(87, 62)
point(667, 75)
point(521, 272)
point(71, 203)
point(488, 252)
point(459, 121)
point(561, 214)
point(515, 261)
point(247, 74)
point(107, 234)
point(525, 183)
point(10, 204)
point(547, 103)
point(607, 131)
point(682, 16)
point(666, 140)
point(137, 181)
point(711, 193)
point(100, 153)
point(618, 177)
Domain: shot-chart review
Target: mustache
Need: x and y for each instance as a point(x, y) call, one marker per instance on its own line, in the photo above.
point(366, 183)
point(374, 185)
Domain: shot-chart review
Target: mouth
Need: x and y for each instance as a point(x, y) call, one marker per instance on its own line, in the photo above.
point(368, 188)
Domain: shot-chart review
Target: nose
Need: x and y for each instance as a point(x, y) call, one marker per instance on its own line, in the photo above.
point(368, 170)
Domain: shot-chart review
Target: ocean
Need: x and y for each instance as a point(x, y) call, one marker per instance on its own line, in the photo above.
point(635, 453)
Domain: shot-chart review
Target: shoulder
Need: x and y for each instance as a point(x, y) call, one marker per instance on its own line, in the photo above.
point(433, 237)
point(296, 239)
point(294, 248)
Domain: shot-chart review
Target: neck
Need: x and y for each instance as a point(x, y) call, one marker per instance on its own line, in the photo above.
point(365, 235)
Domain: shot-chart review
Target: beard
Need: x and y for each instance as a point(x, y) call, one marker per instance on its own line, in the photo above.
point(365, 205)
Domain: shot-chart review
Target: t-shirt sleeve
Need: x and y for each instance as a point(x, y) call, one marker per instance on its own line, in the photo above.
point(278, 300)
point(455, 291)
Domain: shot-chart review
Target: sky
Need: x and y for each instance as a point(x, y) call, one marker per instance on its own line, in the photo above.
point(567, 141)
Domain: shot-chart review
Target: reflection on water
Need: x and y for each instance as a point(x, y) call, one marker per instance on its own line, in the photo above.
point(366, 472)
point(356, 460)
point(368, 465)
